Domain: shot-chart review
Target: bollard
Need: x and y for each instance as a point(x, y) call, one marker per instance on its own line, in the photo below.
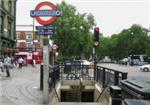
point(115, 96)
point(41, 77)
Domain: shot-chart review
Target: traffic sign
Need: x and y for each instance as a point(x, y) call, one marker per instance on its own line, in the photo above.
point(44, 32)
point(50, 27)
point(53, 13)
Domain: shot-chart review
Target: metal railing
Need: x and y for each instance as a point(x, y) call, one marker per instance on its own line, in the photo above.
point(54, 76)
point(74, 72)
point(107, 77)
point(104, 75)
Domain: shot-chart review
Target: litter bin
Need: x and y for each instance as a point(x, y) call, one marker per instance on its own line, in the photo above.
point(115, 96)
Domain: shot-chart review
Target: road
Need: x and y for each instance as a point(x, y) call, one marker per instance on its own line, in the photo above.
point(134, 72)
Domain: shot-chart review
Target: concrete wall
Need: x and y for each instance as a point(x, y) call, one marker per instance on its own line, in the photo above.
point(104, 98)
point(77, 82)
point(89, 86)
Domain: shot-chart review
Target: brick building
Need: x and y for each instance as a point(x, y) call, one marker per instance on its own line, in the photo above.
point(28, 43)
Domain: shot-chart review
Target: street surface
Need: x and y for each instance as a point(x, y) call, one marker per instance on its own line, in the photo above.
point(22, 88)
point(134, 72)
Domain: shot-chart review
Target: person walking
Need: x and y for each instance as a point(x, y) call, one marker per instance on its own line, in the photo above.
point(1, 65)
point(33, 63)
point(20, 62)
point(7, 62)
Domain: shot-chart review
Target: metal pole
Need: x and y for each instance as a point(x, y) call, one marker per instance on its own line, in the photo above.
point(33, 40)
point(46, 71)
point(95, 68)
point(41, 77)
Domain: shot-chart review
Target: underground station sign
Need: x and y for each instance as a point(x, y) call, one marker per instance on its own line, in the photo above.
point(45, 30)
point(51, 13)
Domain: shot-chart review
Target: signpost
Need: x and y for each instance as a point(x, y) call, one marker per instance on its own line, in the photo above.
point(50, 27)
point(95, 45)
point(44, 33)
point(45, 30)
point(37, 13)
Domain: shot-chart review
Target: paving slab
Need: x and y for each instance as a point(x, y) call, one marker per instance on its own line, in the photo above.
point(22, 88)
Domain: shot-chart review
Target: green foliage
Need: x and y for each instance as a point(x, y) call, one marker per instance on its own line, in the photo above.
point(134, 40)
point(73, 32)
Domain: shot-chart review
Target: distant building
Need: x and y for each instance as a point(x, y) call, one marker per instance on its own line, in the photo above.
point(7, 27)
point(28, 44)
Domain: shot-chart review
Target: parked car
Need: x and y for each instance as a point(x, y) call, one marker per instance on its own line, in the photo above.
point(84, 62)
point(106, 59)
point(124, 61)
point(145, 67)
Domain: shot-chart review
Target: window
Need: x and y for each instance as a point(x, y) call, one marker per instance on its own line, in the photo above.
point(9, 28)
point(2, 3)
point(28, 36)
point(29, 45)
point(10, 6)
point(18, 35)
point(1, 24)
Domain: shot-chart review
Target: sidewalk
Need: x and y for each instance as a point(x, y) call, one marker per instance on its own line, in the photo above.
point(22, 88)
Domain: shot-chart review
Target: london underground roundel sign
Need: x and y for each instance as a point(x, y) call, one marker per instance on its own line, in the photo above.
point(52, 14)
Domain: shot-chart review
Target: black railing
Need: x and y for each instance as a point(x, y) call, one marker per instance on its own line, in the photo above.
point(74, 72)
point(104, 76)
point(54, 76)
point(109, 76)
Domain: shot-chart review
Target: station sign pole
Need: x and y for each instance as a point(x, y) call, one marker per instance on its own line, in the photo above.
point(46, 29)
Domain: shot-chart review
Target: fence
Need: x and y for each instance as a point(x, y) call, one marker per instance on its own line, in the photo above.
point(54, 76)
point(109, 76)
point(102, 75)
point(76, 71)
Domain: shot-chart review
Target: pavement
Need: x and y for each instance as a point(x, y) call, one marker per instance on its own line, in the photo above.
point(22, 88)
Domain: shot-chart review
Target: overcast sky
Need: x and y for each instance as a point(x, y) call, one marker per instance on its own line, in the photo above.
point(110, 15)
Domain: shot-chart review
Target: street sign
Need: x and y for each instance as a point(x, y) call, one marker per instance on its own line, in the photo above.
point(45, 13)
point(44, 32)
point(50, 27)
point(53, 13)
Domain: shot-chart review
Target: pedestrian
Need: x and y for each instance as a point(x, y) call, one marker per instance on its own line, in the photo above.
point(1, 65)
point(7, 62)
point(33, 63)
point(20, 62)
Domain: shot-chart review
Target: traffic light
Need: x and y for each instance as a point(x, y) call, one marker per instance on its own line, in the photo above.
point(96, 36)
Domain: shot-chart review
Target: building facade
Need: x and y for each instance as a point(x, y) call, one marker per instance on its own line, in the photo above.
point(7, 27)
point(28, 44)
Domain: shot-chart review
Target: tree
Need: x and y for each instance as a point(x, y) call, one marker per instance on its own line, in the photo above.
point(73, 32)
point(134, 40)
